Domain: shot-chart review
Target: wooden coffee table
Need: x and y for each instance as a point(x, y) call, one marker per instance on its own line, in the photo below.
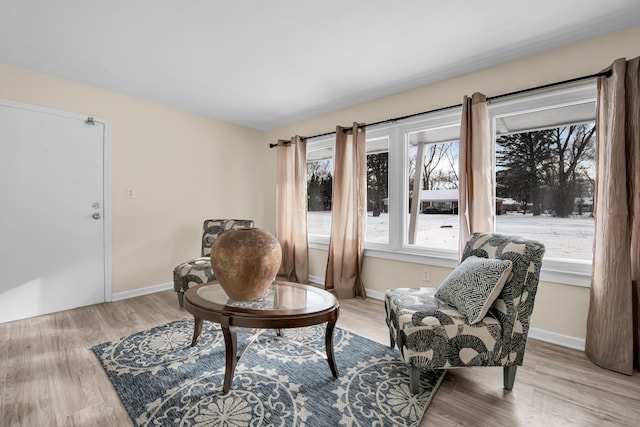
point(285, 305)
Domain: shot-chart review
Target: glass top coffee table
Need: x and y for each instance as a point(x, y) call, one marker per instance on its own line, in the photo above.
point(285, 305)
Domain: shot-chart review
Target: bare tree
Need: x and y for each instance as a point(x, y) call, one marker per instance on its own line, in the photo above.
point(445, 180)
point(432, 158)
point(571, 147)
point(439, 168)
point(452, 159)
point(320, 168)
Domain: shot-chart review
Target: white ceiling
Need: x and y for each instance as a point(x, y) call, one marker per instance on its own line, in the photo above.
point(264, 64)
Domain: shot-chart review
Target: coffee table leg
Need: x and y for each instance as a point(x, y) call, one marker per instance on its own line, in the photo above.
point(231, 346)
point(328, 342)
point(197, 330)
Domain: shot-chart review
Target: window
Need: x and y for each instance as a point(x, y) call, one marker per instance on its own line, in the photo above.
point(428, 223)
point(319, 187)
point(544, 182)
point(432, 188)
point(545, 170)
point(377, 188)
point(392, 162)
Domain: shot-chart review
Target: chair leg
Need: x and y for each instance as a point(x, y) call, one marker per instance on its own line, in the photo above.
point(414, 378)
point(392, 341)
point(509, 376)
point(181, 298)
point(178, 286)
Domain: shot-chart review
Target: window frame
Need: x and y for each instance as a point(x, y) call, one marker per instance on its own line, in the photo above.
point(557, 270)
point(563, 271)
point(437, 120)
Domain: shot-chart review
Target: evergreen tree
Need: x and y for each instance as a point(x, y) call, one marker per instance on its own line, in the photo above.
point(319, 185)
point(521, 160)
point(377, 179)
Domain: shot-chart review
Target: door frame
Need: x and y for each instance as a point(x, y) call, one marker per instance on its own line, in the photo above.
point(106, 177)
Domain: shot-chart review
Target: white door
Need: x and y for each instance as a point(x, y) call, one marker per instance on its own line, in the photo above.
point(52, 241)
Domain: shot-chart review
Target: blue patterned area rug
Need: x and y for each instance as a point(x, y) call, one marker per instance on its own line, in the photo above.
point(162, 381)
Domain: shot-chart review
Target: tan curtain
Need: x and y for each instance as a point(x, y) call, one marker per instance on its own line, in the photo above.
point(612, 320)
point(291, 209)
point(348, 214)
point(476, 210)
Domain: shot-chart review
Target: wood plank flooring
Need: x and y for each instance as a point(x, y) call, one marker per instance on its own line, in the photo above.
point(50, 377)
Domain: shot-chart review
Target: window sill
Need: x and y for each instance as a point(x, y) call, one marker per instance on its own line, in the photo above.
point(573, 273)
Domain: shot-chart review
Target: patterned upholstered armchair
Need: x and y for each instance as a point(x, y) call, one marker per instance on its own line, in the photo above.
point(480, 314)
point(198, 270)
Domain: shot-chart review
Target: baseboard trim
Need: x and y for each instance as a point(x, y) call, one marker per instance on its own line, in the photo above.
point(369, 292)
point(316, 279)
point(375, 294)
point(535, 333)
point(538, 334)
point(141, 291)
point(559, 339)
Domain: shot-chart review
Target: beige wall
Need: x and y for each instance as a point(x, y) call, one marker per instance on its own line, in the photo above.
point(560, 309)
point(187, 167)
point(184, 168)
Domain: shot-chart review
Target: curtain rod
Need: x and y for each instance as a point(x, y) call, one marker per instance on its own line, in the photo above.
point(490, 98)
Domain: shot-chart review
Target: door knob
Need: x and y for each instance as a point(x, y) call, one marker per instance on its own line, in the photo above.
point(96, 215)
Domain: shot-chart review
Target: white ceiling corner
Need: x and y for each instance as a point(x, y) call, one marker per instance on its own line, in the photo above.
point(264, 64)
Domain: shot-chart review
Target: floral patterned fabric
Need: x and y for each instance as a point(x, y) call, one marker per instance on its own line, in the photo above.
point(198, 270)
point(279, 381)
point(433, 335)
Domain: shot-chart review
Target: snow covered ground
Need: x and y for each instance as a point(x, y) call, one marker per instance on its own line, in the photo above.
point(566, 238)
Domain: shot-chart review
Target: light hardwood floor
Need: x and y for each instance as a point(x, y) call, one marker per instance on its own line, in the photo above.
point(50, 377)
